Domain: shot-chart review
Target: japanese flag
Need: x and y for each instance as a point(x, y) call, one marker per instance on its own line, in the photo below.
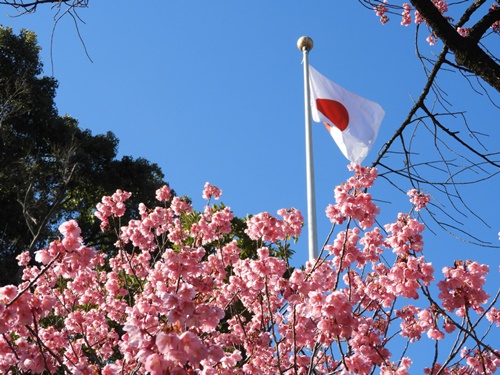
point(352, 121)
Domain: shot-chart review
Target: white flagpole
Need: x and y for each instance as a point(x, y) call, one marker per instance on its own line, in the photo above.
point(305, 44)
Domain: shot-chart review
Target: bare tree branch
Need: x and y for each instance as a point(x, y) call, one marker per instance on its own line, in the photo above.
point(31, 6)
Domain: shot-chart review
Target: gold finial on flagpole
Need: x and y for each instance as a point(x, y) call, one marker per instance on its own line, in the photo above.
point(305, 42)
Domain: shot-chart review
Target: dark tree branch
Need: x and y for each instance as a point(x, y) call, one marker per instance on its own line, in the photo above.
point(30, 6)
point(416, 106)
point(458, 139)
point(466, 49)
point(469, 12)
point(477, 31)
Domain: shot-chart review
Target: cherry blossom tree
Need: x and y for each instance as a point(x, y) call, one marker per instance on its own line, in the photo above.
point(458, 39)
point(178, 297)
point(190, 292)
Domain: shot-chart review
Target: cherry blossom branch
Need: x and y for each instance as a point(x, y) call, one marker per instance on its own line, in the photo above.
point(42, 345)
point(467, 332)
point(33, 281)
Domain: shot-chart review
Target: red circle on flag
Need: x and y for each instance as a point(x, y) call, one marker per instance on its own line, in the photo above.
point(334, 111)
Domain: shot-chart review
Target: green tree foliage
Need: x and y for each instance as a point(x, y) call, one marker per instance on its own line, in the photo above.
point(50, 168)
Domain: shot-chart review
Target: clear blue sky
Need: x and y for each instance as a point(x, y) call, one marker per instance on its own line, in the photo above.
point(213, 91)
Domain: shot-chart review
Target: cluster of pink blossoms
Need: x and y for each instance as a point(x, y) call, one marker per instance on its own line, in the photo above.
point(382, 9)
point(406, 15)
point(419, 199)
point(212, 225)
point(163, 194)
point(352, 200)
point(211, 191)
point(111, 206)
point(478, 363)
point(179, 296)
point(268, 228)
point(462, 288)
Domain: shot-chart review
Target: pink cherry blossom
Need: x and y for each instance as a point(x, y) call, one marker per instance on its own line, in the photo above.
point(442, 5)
point(265, 227)
point(494, 316)
point(211, 191)
point(432, 39)
point(70, 229)
point(292, 221)
point(180, 206)
point(380, 11)
point(435, 334)
point(406, 15)
point(352, 201)
point(23, 259)
point(185, 292)
point(163, 194)
point(113, 205)
point(419, 199)
point(462, 287)
point(418, 18)
point(463, 31)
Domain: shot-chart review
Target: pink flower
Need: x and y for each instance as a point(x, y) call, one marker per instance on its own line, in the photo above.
point(406, 235)
point(435, 334)
point(111, 369)
point(432, 39)
point(179, 206)
point(121, 196)
point(179, 296)
point(211, 191)
point(155, 365)
point(419, 199)
point(71, 243)
point(442, 5)
point(193, 347)
point(406, 14)
point(8, 293)
point(292, 221)
point(351, 199)
point(23, 259)
point(265, 227)
point(70, 229)
point(448, 326)
point(170, 346)
point(418, 18)
point(463, 31)
point(43, 256)
point(396, 369)
point(163, 194)
point(113, 205)
point(380, 11)
point(462, 287)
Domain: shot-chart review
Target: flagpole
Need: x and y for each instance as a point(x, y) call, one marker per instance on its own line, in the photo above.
point(305, 44)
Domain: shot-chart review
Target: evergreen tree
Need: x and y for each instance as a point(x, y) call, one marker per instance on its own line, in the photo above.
point(50, 168)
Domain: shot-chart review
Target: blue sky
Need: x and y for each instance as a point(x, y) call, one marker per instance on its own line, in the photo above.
point(213, 91)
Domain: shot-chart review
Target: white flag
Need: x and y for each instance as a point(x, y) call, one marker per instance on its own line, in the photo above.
point(352, 121)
